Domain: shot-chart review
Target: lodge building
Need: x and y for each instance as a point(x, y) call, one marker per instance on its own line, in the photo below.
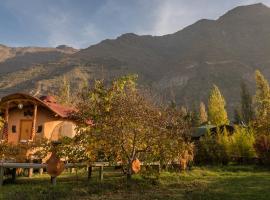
point(28, 118)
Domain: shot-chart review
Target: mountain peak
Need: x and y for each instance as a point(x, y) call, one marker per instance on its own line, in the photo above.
point(128, 36)
point(66, 49)
point(247, 11)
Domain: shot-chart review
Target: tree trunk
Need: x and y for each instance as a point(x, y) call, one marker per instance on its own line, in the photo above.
point(129, 172)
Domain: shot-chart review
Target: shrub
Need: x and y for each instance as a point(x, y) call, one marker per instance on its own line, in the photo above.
point(242, 144)
point(262, 147)
point(212, 149)
point(222, 148)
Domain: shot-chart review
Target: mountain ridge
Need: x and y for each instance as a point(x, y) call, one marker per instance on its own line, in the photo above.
point(181, 66)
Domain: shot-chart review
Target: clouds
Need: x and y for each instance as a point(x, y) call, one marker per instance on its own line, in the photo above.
point(81, 23)
point(173, 15)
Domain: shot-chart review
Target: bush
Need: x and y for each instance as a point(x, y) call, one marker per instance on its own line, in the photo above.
point(242, 144)
point(212, 149)
point(262, 147)
point(222, 148)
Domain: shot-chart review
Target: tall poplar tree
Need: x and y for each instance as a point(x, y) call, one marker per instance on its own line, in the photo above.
point(262, 95)
point(216, 108)
point(247, 112)
point(64, 96)
point(262, 99)
point(203, 113)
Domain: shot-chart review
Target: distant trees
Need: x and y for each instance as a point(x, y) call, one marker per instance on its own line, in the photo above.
point(247, 112)
point(203, 113)
point(64, 94)
point(216, 108)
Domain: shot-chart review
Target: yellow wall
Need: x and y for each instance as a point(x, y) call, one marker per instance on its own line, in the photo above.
point(46, 118)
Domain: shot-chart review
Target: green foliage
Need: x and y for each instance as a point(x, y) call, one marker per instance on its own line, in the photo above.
point(262, 104)
point(262, 95)
point(242, 143)
point(18, 153)
point(129, 125)
point(123, 120)
point(64, 94)
point(216, 108)
point(247, 112)
point(173, 142)
point(222, 148)
point(262, 147)
point(212, 149)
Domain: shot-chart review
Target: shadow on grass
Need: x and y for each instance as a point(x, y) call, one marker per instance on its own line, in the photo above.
point(230, 182)
point(71, 187)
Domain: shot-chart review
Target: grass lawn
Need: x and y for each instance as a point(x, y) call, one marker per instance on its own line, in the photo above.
point(230, 182)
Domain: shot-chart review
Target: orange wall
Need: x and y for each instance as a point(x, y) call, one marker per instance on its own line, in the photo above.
point(44, 117)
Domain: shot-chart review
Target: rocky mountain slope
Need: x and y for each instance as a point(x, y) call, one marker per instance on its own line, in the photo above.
point(182, 66)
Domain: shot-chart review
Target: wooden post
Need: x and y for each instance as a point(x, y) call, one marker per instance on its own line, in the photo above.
point(53, 180)
point(5, 132)
point(101, 173)
point(13, 175)
point(72, 170)
point(89, 172)
point(34, 123)
point(30, 171)
point(40, 171)
point(1, 176)
point(159, 168)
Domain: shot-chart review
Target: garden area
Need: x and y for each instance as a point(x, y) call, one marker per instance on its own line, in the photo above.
point(123, 125)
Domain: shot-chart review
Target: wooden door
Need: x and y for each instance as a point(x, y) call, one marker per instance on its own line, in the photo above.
point(26, 129)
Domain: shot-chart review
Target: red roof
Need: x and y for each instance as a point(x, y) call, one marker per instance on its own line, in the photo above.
point(46, 101)
point(62, 111)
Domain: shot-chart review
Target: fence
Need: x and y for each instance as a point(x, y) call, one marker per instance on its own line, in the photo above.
point(32, 166)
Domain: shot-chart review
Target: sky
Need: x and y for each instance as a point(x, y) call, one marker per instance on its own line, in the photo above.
point(81, 23)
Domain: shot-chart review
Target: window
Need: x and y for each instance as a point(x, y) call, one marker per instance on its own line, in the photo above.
point(13, 129)
point(28, 113)
point(39, 129)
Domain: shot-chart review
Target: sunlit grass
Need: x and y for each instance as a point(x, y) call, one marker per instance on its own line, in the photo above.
point(230, 182)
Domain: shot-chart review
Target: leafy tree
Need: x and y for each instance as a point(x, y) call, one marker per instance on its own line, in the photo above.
point(124, 121)
point(212, 149)
point(129, 126)
point(203, 113)
point(262, 99)
point(247, 112)
point(262, 147)
point(193, 118)
point(216, 107)
point(242, 143)
point(174, 143)
point(64, 95)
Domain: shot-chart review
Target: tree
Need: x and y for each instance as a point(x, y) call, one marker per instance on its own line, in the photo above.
point(216, 108)
point(262, 95)
point(174, 143)
point(247, 112)
point(262, 99)
point(237, 116)
point(193, 118)
point(125, 121)
point(64, 96)
point(203, 113)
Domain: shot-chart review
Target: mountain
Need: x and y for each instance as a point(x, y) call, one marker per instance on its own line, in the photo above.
point(181, 66)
